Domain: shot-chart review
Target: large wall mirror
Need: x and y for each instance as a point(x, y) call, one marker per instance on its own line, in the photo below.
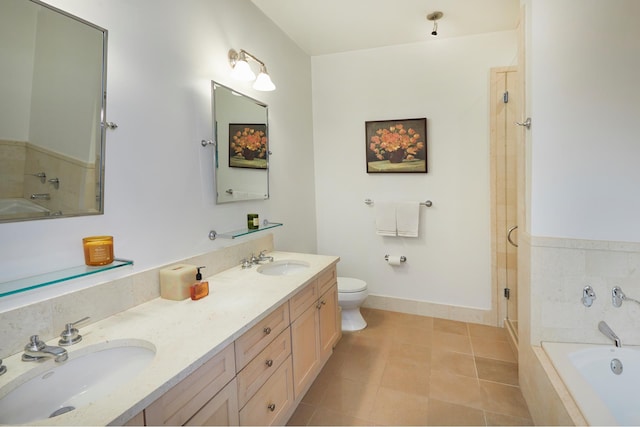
point(242, 146)
point(53, 103)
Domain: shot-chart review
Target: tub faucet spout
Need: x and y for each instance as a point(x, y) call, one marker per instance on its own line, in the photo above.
point(606, 330)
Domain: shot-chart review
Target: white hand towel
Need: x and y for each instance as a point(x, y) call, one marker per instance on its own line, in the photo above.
point(385, 219)
point(407, 218)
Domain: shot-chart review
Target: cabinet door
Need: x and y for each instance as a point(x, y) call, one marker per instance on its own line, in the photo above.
point(305, 349)
point(329, 324)
point(222, 410)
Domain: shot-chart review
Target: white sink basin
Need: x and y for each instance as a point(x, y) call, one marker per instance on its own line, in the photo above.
point(283, 268)
point(51, 389)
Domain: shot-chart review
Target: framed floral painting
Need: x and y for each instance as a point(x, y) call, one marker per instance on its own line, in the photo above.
point(248, 145)
point(396, 146)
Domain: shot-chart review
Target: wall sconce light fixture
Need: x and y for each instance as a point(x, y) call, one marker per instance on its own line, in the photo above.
point(434, 16)
point(242, 71)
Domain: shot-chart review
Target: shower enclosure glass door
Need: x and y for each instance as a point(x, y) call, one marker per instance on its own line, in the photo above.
point(504, 112)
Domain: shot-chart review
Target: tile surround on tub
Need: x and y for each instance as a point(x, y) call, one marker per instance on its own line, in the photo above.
point(552, 273)
point(560, 268)
point(47, 318)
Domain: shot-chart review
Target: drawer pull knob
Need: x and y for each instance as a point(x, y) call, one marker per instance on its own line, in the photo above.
point(267, 330)
point(318, 305)
point(272, 407)
point(323, 302)
point(269, 363)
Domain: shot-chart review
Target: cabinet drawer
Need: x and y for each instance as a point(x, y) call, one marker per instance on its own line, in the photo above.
point(222, 410)
point(258, 371)
point(326, 280)
point(303, 299)
point(272, 401)
point(257, 338)
point(180, 403)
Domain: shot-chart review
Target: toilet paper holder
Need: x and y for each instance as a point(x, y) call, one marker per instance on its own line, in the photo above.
point(402, 258)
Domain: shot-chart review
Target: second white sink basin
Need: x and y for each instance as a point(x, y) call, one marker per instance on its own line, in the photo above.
point(283, 268)
point(88, 375)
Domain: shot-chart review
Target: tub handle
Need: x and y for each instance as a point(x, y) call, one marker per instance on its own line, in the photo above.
point(588, 295)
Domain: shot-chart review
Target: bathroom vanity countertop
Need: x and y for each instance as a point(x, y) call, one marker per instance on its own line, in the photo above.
point(185, 334)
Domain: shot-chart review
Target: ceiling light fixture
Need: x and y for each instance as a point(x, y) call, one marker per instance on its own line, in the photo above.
point(434, 16)
point(242, 71)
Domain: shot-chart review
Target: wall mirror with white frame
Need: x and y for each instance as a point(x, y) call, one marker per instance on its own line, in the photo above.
point(241, 143)
point(53, 104)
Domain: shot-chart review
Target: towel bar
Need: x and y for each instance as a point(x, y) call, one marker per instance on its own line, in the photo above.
point(427, 203)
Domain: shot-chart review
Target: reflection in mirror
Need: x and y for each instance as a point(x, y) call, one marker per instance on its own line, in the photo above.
point(242, 152)
point(51, 110)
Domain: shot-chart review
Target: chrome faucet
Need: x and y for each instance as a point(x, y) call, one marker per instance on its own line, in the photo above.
point(262, 257)
point(588, 296)
point(606, 330)
point(37, 351)
point(617, 296)
point(41, 196)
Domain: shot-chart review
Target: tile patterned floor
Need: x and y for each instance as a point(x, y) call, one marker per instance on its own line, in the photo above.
point(415, 370)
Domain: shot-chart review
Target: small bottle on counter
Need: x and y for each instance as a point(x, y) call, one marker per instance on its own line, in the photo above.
point(253, 223)
point(199, 289)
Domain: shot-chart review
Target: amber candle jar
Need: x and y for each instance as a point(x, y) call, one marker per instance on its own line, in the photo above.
point(98, 250)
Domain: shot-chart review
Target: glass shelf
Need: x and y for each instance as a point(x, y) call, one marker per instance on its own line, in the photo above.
point(33, 282)
point(245, 231)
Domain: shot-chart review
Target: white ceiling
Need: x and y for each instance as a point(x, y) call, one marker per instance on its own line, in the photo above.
point(329, 26)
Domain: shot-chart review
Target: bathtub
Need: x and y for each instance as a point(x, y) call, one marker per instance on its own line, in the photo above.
point(587, 370)
point(9, 207)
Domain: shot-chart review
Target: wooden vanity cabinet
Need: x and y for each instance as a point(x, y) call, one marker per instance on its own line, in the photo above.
point(259, 379)
point(137, 420)
point(259, 336)
point(329, 322)
point(305, 347)
point(273, 402)
point(265, 380)
point(315, 331)
point(182, 404)
point(222, 410)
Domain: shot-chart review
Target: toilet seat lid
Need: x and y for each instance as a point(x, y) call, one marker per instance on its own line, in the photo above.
point(349, 284)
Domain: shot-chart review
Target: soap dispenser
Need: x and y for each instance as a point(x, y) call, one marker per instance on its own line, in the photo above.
point(199, 289)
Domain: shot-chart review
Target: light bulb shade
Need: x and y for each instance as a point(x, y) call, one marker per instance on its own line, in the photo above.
point(242, 71)
point(263, 82)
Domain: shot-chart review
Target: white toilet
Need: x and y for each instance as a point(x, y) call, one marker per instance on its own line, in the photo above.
point(351, 294)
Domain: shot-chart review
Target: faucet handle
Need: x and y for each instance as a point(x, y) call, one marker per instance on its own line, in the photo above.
point(588, 295)
point(35, 344)
point(71, 335)
point(3, 368)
